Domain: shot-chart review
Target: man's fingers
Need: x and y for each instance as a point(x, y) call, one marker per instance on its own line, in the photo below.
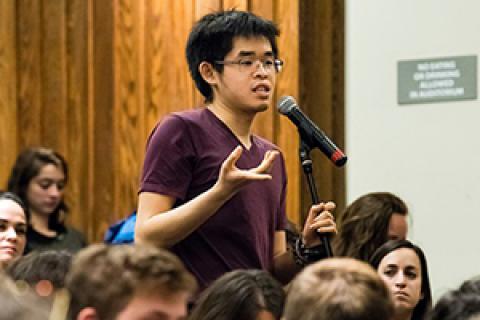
point(324, 215)
point(329, 206)
point(329, 229)
point(266, 163)
point(256, 176)
point(233, 157)
point(323, 223)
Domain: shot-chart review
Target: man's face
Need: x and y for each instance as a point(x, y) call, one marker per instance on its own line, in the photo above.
point(248, 83)
point(156, 307)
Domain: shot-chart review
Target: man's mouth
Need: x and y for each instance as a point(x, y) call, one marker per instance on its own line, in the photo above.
point(261, 88)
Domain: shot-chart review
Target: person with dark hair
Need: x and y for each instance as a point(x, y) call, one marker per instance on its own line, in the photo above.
point(37, 266)
point(13, 228)
point(241, 294)
point(38, 177)
point(211, 190)
point(369, 222)
point(338, 289)
point(403, 267)
point(460, 304)
point(128, 282)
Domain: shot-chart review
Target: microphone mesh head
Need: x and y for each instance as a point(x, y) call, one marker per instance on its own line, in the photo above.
point(286, 104)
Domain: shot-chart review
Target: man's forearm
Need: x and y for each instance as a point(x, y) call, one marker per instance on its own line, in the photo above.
point(167, 228)
point(285, 267)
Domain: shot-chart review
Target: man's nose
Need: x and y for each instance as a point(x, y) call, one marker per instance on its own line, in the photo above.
point(261, 69)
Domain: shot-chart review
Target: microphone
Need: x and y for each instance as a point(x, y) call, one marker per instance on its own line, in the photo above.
point(309, 132)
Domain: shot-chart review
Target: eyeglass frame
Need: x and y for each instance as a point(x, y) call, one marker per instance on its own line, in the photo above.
point(277, 63)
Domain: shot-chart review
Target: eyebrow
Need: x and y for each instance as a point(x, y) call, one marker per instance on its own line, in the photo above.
point(16, 224)
point(253, 53)
point(406, 267)
point(50, 179)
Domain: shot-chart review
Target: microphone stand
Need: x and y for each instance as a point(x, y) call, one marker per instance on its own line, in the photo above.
point(308, 170)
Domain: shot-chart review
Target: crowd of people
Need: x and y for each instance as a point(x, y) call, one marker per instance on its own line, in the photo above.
point(211, 229)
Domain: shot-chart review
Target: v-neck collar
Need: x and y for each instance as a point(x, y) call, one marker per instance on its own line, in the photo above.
point(224, 125)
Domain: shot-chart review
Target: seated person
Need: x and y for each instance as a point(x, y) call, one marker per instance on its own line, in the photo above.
point(338, 289)
point(460, 304)
point(19, 305)
point(50, 267)
point(403, 267)
point(13, 228)
point(369, 222)
point(39, 177)
point(241, 294)
point(128, 282)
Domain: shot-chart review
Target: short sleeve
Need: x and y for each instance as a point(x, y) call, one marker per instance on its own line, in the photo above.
point(167, 168)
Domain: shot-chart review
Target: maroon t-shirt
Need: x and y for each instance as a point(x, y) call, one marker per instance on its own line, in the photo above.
point(183, 159)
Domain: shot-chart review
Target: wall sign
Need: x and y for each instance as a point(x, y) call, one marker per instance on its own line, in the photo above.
point(437, 80)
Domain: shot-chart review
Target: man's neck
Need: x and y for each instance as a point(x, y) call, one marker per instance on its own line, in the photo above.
point(239, 122)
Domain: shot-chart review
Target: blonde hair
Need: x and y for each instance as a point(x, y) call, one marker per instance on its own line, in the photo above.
point(338, 289)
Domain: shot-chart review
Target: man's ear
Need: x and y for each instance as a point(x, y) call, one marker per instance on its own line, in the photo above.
point(208, 73)
point(88, 313)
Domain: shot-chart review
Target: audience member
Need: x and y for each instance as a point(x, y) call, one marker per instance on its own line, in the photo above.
point(241, 294)
point(369, 222)
point(128, 282)
point(39, 177)
point(403, 267)
point(460, 304)
point(19, 304)
point(49, 267)
point(13, 227)
point(338, 289)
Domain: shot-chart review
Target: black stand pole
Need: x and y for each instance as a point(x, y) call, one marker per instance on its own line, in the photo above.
point(307, 166)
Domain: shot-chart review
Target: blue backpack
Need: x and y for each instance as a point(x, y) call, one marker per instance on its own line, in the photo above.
point(122, 231)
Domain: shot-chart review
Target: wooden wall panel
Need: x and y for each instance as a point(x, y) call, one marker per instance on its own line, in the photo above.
point(322, 89)
point(29, 72)
point(92, 78)
point(129, 100)
point(54, 76)
point(168, 84)
point(286, 15)
point(8, 89)
point(102, 187)
point(77, 116)
point(202, 7)
point(263, 8)
point(235, 4)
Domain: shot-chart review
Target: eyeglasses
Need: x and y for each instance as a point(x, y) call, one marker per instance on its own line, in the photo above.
point(250, 64)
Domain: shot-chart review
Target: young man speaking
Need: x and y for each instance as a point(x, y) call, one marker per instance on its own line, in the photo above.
point(211, 191)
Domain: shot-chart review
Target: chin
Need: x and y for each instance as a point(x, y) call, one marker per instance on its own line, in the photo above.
point(263, 107)
point(404, 306)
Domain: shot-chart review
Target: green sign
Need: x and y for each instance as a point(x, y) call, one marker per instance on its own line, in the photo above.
point(437, 80)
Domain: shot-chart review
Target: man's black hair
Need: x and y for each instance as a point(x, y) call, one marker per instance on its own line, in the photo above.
point(211, 39)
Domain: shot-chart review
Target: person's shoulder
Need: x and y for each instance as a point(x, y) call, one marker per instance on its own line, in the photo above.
point(75, 233)
point(181, 120)
point(191, 115)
